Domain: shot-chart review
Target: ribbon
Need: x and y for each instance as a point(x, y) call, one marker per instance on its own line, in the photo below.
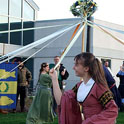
point(34, 53)
point(35, 28)
point(72, 37)
point(34, 44)
point(119, 31)
point(70, 45)
point(99, 28)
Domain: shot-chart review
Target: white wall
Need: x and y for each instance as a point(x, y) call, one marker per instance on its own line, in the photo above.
point(7, 48)
point(104, 46)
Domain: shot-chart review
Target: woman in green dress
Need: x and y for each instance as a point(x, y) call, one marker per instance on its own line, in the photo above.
point(41, 108)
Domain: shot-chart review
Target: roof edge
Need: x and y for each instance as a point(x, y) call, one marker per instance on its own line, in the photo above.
point(33, 4)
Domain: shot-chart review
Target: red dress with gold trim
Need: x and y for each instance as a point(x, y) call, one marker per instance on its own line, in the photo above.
point(98, 107)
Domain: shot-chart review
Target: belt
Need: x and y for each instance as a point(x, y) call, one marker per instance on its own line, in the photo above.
point(44, 87)
point(112, 85)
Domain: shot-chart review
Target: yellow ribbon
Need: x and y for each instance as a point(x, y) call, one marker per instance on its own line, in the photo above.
point(99, 28)
point(70, 45)
point(71, 38)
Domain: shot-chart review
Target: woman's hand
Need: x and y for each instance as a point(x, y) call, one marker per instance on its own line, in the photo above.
point(53, 74)
point(56, 89)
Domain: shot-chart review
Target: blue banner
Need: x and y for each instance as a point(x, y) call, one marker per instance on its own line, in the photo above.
point(8, 85)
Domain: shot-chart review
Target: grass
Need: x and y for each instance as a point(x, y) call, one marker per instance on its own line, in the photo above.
point(120, 119)
point(19, 118)
point(16, 118)
point(13, 118)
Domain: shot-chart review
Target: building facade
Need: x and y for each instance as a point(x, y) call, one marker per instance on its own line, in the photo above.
point(16, 15)
point(17, 18)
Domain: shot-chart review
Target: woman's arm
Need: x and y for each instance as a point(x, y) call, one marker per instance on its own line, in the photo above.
point(56, 89)
point(120, 74)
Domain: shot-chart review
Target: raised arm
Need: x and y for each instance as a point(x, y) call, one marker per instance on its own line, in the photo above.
point(56, 90)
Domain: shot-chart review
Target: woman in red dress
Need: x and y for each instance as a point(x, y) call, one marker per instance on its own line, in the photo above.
point(92, 95)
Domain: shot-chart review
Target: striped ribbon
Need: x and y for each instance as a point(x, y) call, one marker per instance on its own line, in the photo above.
point(113, 29)
point(71, 37)
point(110, 34)
point(70, 45)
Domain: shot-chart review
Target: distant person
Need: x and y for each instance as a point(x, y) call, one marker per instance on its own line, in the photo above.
point(41, 108)
point(120, 74)
point(92, 94)
point(61, 71)
point(106, 64)
point(112, 86)
point(23, 81)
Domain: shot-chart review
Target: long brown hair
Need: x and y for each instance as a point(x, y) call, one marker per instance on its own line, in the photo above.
point(95, 67)
point(43, 65)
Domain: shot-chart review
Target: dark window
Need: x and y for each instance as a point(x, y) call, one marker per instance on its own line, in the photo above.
point(15, 38)
point(3, 37)
point(28, 36)
point(15, 25)
point(4, 24)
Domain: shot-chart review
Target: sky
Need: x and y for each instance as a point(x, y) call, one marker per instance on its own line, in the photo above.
point(108, 10)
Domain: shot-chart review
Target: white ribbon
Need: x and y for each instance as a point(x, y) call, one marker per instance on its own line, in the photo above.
point(70, 45)
point(35, 28)
point(34, 54)
point(34, 44)
point(105, 31)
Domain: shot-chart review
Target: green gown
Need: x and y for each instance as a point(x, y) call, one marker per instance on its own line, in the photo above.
point(41, 108)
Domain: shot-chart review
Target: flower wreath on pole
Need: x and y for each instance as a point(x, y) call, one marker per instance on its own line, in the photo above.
point(83, 8)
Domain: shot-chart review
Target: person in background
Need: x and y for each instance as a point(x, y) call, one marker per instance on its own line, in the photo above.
point(92, 94)
point(41, 108)
point(61, 71)
point(112, 86)
point(120, 74)
point(62, 74)
point(106, 64)
point(23, 82)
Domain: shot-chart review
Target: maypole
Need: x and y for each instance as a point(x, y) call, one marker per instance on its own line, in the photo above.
point(84, 9)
